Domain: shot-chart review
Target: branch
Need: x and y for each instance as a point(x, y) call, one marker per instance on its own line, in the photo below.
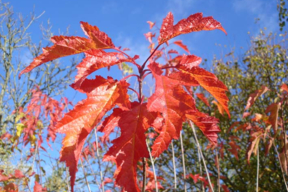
point(203, 160)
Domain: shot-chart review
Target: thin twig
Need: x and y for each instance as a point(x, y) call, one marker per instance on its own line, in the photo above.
point(200, 151)
point(257, 176)
point(67, 179)
point(144, 174)
point(282, 171)
point(153, 167)
point(143, 66)
point(218, 171)
point(200, 167)
point(85, 176)
point(183, 162)
point(98, 159)
point(94, 175)
point(174, 166)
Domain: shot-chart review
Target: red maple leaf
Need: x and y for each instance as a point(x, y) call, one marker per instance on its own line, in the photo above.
point(172, 101)
point(79, 122)
point(253, 96)
point(210, 83)
point(65, 46)
point(208, 125)
point(193, 23)
point(130, 147)
point(180, 44)
point(202, 97)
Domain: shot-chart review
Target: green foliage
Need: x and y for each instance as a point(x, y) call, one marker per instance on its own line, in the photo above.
point(283, 13)
point(57, 181)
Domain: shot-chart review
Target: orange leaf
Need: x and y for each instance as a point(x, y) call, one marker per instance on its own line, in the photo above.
point(183, 78)
point(195, 22)
point(234, 148)
point(273, 109)
point(188, 61)
point(110, 123)
point(208, 125)
point(210, 83)
point(172, 101)
point(253, 145)
point(65, 46)
point(151, 24)
point(220, 108)
point(202, 97)
point(284, 87)
point(79, 122)
point(100, 38)
point(253, 96)
point(3, 177)
point(94, 60)
point(180, 44)
point(257, 117)
point(38, 187)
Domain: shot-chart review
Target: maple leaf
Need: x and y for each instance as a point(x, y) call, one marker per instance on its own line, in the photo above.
point(202, 97)
point(18, 174)
point(180, 44)
point(38, 187)
point(130, 147)
point(210, 83)
point(189, 61)
point(253, 143)
point(195, 22)
point(253, 96)
point(284, 87)
point(269, 145)
point(246, 114)
point(149, 36)
point(225, 188)
point(273, 109)
point(257, 117)
point(79, 122)
point(220, 108)
point(207, 124)
point(173, 51)
point(65, 46)
point(194, 177)
point(106, 180)
point(94, 60)
point(183, 78)
point(3, 177)
point(172, 101)
point(110, 123)
point(150, 186)
point(100, 38)
point(11, 187)
point(234, 148)
point(151, 24)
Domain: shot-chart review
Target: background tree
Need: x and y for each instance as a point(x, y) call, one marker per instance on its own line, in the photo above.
point(264, 63)
point(16, 51)
point(283, 13)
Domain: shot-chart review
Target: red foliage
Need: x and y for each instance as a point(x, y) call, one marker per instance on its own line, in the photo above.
point(171, 104)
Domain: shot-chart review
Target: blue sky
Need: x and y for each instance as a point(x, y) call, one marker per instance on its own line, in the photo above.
point(126, 21)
